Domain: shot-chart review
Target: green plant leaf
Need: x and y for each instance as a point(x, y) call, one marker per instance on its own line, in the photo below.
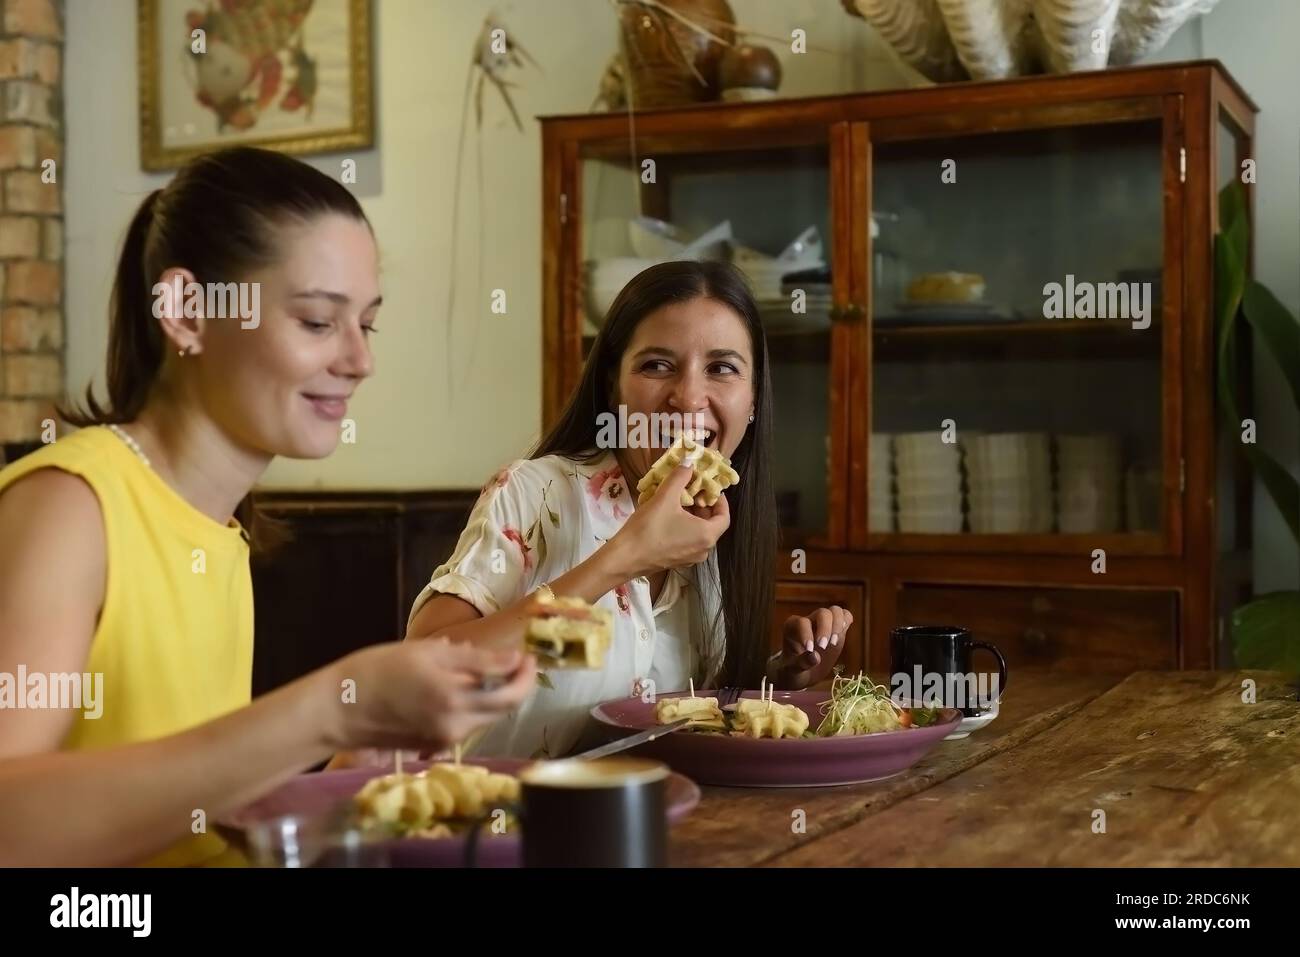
point(1281, 485)
point(1229, 284)
point(1278, 329)
point(1231, 288)
point(1266, 633)
point(1234, 224)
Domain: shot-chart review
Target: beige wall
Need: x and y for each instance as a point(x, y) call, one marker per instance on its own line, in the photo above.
point(413, 430)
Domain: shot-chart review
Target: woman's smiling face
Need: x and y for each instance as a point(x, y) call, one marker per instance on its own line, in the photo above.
point(693, 359)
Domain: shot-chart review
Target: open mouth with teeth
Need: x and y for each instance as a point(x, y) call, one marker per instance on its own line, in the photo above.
point(705, 437)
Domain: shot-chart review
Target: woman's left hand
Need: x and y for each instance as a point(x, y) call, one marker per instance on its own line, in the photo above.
point(810, 647)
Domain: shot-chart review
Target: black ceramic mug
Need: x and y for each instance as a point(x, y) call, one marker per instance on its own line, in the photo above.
point(611, 812)
point(926, 657)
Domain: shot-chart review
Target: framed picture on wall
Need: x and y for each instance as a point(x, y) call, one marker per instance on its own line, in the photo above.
point(292, 75)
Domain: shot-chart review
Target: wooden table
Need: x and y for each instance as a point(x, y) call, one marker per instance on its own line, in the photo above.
point(1175, 765)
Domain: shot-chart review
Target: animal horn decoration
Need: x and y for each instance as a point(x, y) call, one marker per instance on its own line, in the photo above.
point(994, 39)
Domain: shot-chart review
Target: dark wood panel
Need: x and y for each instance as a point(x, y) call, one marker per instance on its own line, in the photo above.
point(1014, 118)
point(346, 576)
point(1086, 630)
point(938, 567)
point(803, 597)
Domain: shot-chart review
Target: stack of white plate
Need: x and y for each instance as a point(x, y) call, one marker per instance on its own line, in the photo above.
point(880, 491)
point(929, 483)
point(1010, 479)
point(1088, 482)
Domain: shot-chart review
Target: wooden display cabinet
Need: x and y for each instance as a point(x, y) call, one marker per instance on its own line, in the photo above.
point(1080, 435)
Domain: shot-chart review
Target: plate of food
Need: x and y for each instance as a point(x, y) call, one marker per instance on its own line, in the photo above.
point(852, 734)
point(422, 816)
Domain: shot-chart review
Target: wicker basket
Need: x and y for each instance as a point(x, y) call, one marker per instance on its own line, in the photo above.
point(656, 47)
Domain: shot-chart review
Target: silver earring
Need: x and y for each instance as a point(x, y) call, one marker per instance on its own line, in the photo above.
point(751, 416)
point(186, 351)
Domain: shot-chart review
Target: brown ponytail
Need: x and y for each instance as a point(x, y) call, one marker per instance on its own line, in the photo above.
point(135, 347)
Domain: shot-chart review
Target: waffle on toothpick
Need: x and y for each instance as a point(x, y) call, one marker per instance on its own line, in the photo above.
point(569, 633)
point(713, 472)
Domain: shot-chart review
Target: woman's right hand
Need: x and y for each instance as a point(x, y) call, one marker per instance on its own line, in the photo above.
point(425, 695)
point(662, 534)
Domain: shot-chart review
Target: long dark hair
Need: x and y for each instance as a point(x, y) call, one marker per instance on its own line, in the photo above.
point(217, 218)
point(746, 552)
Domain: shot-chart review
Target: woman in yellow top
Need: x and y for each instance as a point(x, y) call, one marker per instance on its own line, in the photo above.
point(126, 631)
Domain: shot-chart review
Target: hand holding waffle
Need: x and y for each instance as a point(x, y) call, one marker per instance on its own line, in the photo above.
point(712, 473)
point(425, 694)
point(567, 632)
point(662, 533)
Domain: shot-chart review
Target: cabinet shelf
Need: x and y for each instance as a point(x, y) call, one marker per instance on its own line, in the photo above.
point(1034, 338)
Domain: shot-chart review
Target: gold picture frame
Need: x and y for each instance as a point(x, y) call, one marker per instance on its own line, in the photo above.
point(248, 56)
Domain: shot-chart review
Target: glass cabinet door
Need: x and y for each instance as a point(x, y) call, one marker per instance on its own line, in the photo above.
point(761, 200)
point(1018, 348)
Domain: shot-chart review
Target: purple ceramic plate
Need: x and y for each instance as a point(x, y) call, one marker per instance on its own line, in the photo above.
point(321, 793)
point(787, 762)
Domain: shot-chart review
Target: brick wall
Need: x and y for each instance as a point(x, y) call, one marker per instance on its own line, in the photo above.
point(31, 215)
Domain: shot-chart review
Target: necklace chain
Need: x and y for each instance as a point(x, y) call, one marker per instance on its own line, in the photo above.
point(131, 443)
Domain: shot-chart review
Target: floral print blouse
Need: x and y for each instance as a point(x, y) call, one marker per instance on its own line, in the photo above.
point(535, 520)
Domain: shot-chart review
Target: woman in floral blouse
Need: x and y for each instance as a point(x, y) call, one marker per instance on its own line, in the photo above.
point(691, 589)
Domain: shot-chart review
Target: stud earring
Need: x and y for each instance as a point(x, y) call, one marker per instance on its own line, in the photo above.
point(751, 416)
point(184, 352)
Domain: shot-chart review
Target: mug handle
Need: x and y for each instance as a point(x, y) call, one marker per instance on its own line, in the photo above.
point(1002, 666)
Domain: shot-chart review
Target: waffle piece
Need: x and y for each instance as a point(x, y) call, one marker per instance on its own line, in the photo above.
point(702, 712)
point(713, 472)
point(764, 719)
point(422, 803)
point(568, 632)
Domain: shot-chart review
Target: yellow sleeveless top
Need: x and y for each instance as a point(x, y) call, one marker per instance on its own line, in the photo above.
point(174, 641)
